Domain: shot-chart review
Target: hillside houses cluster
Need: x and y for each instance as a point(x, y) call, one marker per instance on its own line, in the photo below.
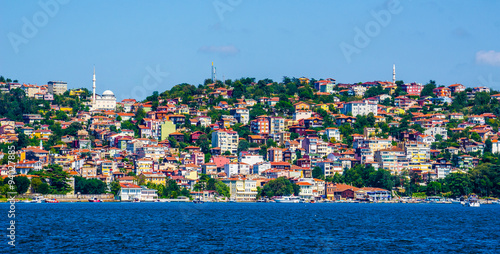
point(301, 141)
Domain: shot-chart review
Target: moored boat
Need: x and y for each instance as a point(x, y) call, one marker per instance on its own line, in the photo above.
point(198, 201)
point(290, 199)
point(95, 200)
point(472, 201)
point(53, 200)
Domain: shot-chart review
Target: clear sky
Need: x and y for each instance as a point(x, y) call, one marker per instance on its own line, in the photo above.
point(138, 47)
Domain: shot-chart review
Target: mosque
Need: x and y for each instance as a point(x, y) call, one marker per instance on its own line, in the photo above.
point(106, 101)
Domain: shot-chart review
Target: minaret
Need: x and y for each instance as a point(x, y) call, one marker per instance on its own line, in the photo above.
point(394, 74)
point(93, 88)
point(41, 145)
point(213, 73)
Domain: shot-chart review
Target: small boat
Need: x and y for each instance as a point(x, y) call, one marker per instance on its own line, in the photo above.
point(290, 199)
point(232, 201)
point(198, 201)
point(95, 200)
point(38, 199)
point(53, 200)
point(136, 200)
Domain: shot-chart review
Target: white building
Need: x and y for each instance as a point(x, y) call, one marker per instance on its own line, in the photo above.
point(57, 87)
point(261, 167)
point(433, 131)
point(225, 140)
point(236, 168)
point(250, 159)
point(130, 192)
point(231, 169)
point(359, 108)
point(302, 114)
point(106, 101)
point(495, 146)
point(333, 133)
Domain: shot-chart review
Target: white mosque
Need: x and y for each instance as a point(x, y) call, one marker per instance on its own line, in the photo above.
point(106, 101)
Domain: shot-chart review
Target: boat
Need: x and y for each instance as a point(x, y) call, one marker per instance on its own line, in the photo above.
point(136, 200)
point(472, 201)
point(290, 199)
point(263, 200)
point(198, 201)
point(53, 200)
point(38, 199)
point(232, 201)
point(95, 200)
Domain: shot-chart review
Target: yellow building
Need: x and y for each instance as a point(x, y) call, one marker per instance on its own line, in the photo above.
point(324, 107)
point(156, 178)
point(191, 175)
point(41, 134)
point(425, 167)
point(395, 110)
point(66, 109)
point(301, 106)
point(77, 92)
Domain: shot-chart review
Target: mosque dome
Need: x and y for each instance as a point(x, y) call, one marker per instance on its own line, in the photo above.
point(108, 93)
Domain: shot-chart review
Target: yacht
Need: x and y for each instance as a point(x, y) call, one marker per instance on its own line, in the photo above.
point(290, 199)
point(472, 201)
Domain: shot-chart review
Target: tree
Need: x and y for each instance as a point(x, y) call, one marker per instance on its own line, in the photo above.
point(35, 184)
point(475, 136)
point(281, 186)
point(89, 186)
point(458, 184)
point(482, 99)
point(22, 184)
point(317, 172)
point(58, 179)
point(488, 146)
point(433, 188)
point(428, 89)
point(140, 114)
point(243, 145)
point(460, 101)
point(44, 188)
point(222, 188)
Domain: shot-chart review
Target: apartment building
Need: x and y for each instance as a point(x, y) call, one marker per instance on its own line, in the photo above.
point(226, 140)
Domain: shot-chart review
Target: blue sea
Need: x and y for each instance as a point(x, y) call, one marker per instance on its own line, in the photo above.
point(252, 228)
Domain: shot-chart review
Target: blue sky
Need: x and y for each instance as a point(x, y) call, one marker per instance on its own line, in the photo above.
point(138, 47)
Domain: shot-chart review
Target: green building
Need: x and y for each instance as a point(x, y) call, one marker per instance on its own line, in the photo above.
point(166, 128)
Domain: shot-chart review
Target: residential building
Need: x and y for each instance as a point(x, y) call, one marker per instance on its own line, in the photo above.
point(241, 190)
point(57, 87)
point(359, 108)
point(226, 140)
